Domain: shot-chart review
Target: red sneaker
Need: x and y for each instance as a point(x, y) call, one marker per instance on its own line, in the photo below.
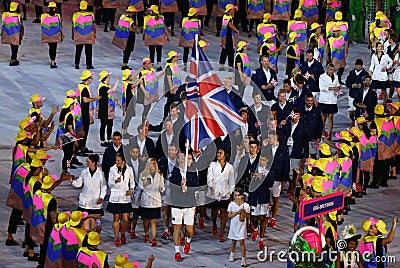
point(178, 257)
point(221, 238)
point(201, 224)
point(186, 249)
point(214, 231)
point(267, 219)
point(165, 236)
point(123, 239)
point(117, 243)
point(254, 235)
point(324, 134)
point(153, 242)
point(133, 234)
point(146, 238)
point(171, 230)
point(261, 245)
point(182, 242)
point(128, 228)
point(272, 223)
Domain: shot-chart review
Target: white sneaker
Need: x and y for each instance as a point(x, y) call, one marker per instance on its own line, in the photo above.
point(243, 263)
point(232, 257)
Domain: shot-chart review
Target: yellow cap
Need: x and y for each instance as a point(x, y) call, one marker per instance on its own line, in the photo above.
point(361, 120)
point(129, 265)
point(36, 97)
point(192, 11)
point(153, 8)
point(83, 5)
point(317, 184)
point(26, 122)
point(86, 73)
point(63, 217)
point(146, 60)
point(36, 163)
point(268, 16)
point(131, 9)
point(268, 35)
point(343, 135)
point(103, 74)
point(203, 43)
point(379, 14)
point(70, 93)
point(52, 4)
point(40, 155)
point(48, 182)
point(315, 26)
point(338, 15)
point(394, 105)
point(93, 238)
point(172, 54)
point(381, 225)
point(325, 149)
point(345, 149)
point(76, 217)
point(298, 14)
point(120, 260)
point(13, 6)
point(22, 135)
point(379, 109)
point(67, 103)
point(229, 7)
point(242, 44)
point(332, 215)
point(336, 28)
point(126, 73)
point(292, 36)
point(356, 132)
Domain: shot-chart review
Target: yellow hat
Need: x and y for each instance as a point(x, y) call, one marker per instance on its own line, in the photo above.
point(52, 4)
point(268, 35)
point(379, 109)
point(86, 73)
point(36, 97)
point(356, 132)
point(292, 36)
point(229, 7)
point(36, 163)
point(126, 73)
point(336, 28)
point(310, 163)
point(381, 225)
point(345, 149)
point(67, 103)
point(26, 122)
point(298, 14)
point(242, 44)
point(394, 105)
point(332, 215)
point(320, 164)
point(361, 120)
point(325, 149)
point(338, 15)
point(203, 43)
point(146, 60)
point(48, 182)
point(13, 6)
point(131, 9)
point(306, 179)
point(93, 238)
point(343, 135)
point(317, 184)
point(153, 8)
point(120, 260)
point(268, 16)
point(22, 135)
point(172, 54)
point(129, 265)
point(192, 11)
point(378, 15)
point(315, 26)
point(63, 217)
point(70, 93)
point(40, 155)
point(103, 74)
point(76, 217)
point(83, 5)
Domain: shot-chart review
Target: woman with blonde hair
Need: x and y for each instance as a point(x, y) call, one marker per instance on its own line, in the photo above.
point(151, 182)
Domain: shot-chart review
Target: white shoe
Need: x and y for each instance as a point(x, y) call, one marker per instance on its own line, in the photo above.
point(232, 257)
point(243, 263)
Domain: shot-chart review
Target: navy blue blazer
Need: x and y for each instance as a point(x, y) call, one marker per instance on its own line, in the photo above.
point(180, 199)
point(109, 157)
point(281, 165)
point(317, 70)
point(259, 78)
point(312, 123)
point(300, 141)
point(245, 169)
point(353, 78)
point(370, 100)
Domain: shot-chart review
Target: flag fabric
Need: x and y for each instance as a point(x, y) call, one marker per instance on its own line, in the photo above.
point(210, 112)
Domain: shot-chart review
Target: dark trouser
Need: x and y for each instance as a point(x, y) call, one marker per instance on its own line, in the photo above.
point(241, 15)
point(109, 16)
point(153, 49)
point(28, 239)
point(59, 8)
point(68, 150)
point(381, 171)
point(210, 5)
point(340, 73)
point(186, 54)
point(146, 110)
point(43, 248)
point(98, 15)
point(88, 54)
point(218, 22)
point(38, 11)
point(130, 112)
point(321, 11)
point(364, 180)
point(52, 51)
point(14, 52)
point(140, 18)
point(170, 100)
point(6, 5)
point(15, 217)
point(282, 26)
point(229, 52)
point(130, 45)
point(169, 20)
point(201, 18)
point(103, 124)
point(238, 81)
point(24, 10)
point(251, 23)
point(183, 7)
point(86, 125)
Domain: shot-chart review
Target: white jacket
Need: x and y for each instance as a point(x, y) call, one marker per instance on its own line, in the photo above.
point(396, 68)
point(327, 96)
point(151, 194)
point(376, 67)
point(93, 188)
point(223, 182)
point(118, 190)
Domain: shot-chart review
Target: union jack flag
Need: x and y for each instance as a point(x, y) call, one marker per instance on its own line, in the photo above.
point(210, 112)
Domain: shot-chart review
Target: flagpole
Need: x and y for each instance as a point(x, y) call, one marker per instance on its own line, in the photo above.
point(186, 162)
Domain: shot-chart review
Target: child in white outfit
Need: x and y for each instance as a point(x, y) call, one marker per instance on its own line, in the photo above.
point(238, 211)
